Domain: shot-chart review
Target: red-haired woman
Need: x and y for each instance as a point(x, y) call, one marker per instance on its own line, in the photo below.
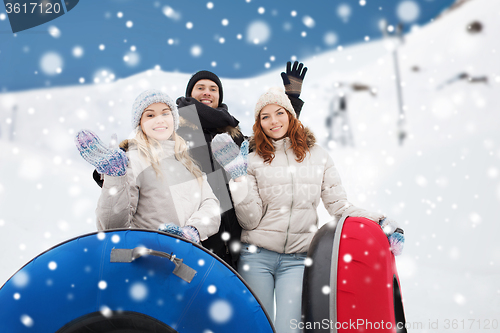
point(276, 192)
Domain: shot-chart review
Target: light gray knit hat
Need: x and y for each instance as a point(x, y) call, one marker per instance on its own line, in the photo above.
point(148, 97)
point(277, 96)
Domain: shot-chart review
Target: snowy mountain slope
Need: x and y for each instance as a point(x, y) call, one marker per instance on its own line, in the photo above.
point(442, 184)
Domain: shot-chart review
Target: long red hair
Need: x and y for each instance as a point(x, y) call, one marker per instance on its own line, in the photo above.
point(296, 133)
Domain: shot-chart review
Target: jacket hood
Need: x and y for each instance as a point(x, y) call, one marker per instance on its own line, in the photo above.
point(127, 144)
point(124, 145)
point(310, 140)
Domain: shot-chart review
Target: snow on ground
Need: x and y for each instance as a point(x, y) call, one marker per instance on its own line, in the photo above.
point(442, 184)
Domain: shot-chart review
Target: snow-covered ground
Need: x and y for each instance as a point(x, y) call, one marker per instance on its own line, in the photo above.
point(442, 184)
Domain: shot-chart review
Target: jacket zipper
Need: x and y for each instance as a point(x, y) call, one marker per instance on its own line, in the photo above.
point(291, 205)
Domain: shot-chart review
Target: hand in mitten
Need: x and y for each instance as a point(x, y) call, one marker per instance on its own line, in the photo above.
point(188, 232)
point(233, 159)
point(292, 79)
point(112, 162)
point(394, 234)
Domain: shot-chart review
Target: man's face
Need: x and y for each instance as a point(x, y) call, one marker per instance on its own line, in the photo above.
point(206, 92)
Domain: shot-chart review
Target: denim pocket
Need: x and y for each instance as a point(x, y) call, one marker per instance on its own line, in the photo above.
point(247, 249)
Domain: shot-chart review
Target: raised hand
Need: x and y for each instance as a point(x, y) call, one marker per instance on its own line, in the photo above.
point(232, 158)
point(293, 78)
point(112, 162)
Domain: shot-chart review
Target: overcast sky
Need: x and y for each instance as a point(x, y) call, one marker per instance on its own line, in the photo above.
point(235, 39)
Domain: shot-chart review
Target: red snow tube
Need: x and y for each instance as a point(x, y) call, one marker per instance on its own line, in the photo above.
point(366, 279)
point(360, 272)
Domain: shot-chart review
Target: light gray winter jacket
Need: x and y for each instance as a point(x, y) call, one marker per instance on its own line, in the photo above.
point(142, 200)
point(276, 204)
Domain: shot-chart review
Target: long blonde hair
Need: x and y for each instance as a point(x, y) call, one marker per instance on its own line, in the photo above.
point(150, 149)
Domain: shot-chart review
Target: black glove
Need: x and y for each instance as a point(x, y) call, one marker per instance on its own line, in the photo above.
point(292, 79)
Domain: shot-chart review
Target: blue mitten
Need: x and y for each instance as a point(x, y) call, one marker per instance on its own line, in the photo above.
point(232, 158)
point(112, 162)
point(395, 235)
point(188, 232)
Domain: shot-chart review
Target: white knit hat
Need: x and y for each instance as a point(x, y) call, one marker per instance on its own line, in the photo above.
point(148, 97)
point(277, 96)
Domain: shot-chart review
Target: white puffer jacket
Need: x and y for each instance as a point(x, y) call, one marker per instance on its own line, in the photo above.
point(141, 199)
point(276, 204)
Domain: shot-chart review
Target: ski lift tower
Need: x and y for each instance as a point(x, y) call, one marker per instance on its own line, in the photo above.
point(395, 43)
point(337, 122)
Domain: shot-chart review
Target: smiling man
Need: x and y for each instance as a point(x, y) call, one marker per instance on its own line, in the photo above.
point(206, 92)
point(202, 117)
point(202, 107)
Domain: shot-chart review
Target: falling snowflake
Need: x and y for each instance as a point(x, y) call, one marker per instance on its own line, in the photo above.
point(475, 218)
point(408, 11)
point(21, 279)
point(212, 289)
point(196, 51)
point(421, 181)
point(308, 262)
point(51, 63)
point(78, 51)
point(330, 38)
point(138, 291)
point(221, 311)
point(308, 21)
point(459, 299)
point(106, 311)
point(171, 13)
point(27, 321)
point(54, 31)
point(344, 12)
point(258, 32)
point(132, 59)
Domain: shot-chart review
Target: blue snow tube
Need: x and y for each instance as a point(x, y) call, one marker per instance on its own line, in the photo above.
point(129, 281)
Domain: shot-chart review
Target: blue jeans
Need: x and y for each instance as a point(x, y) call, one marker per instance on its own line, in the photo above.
point(268, 272)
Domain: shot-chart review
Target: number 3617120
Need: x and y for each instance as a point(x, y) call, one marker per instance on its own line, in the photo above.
point(32, 8)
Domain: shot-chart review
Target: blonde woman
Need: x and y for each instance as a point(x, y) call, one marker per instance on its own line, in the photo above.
point(152, 182)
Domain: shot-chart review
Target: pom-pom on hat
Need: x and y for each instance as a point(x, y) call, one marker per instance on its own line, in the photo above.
point(277, 96)
point(148, 97)
point(204, 75)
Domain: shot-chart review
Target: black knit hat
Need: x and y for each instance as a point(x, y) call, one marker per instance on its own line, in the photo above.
point(202, 75)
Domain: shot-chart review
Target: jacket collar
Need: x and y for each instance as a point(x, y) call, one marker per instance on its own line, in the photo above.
point(167, 146)
point(278, 144)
